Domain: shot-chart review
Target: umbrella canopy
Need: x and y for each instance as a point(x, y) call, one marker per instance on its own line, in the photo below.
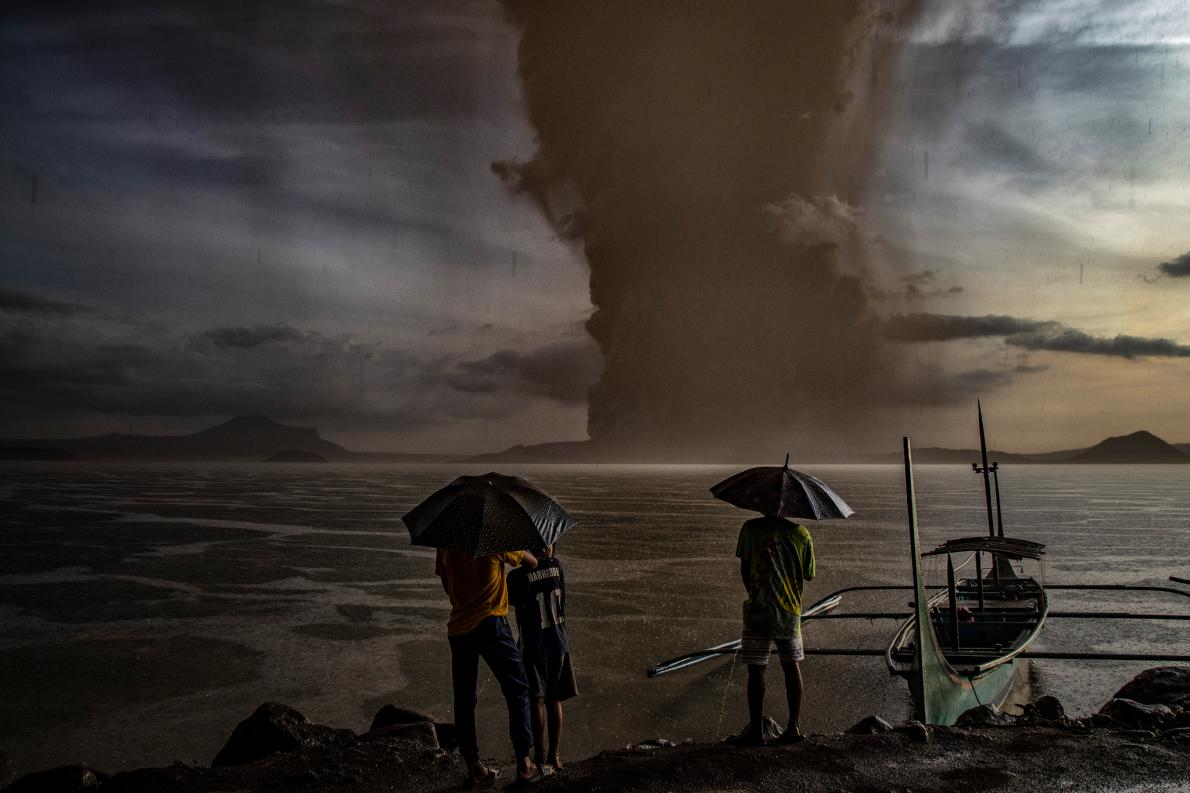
point(483, 515)
point(782, 491)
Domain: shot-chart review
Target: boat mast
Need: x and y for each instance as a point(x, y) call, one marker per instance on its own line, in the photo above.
point(987, 482)
point(923, 644)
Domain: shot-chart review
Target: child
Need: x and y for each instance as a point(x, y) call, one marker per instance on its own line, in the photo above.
point(539, 597)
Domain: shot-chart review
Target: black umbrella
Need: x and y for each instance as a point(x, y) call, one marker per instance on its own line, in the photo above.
point(781, 491)
point(483, 515)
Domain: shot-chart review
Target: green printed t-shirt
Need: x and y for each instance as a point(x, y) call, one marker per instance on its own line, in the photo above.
point(780, 558)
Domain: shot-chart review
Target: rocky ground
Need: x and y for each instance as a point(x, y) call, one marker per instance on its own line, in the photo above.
point(1139, 741)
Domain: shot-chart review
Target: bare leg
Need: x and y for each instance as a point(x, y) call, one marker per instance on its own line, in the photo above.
point(756, 702)
point(555, 717)
point(793, 691)
point(539, 730)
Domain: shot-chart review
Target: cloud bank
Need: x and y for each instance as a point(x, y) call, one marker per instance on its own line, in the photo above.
point(1029, 334)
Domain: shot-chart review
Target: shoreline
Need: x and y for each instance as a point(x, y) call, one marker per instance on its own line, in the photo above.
point(1139, 740)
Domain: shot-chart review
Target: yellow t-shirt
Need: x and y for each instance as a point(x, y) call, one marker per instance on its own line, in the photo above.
point(476, 586)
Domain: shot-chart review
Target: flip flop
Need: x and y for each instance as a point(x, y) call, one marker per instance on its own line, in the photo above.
point(490, 779)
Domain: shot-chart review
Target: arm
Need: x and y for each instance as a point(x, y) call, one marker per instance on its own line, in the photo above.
point(809, 571)
point(529, 561)
point(744, 574)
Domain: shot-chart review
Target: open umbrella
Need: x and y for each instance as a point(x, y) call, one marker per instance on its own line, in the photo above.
point(779, 490)
point(482, 515)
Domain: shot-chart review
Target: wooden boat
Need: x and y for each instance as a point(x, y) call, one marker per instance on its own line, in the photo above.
point(997, 617)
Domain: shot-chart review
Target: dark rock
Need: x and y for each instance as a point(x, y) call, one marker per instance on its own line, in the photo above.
point(871, 725)
point(1046, 710)
point(1177, 735)
point(391, 715)
point(984, 716)
point(276, 728)
point(1137, 714)
point(654, 743)
point(915, 730)
point(5, 770)
point(422, 732)
point(1050, 708)
point(63, 779)
point(1161, 685)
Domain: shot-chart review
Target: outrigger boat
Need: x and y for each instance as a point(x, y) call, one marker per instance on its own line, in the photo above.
point(998, 615)
point(958, 648)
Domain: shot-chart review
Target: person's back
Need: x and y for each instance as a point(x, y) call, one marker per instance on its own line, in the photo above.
point(776, 559)
point(780, 558)
point(539, 597)
point(476, 587)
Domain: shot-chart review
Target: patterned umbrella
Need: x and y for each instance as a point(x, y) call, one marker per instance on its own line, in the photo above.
point(483, 515)
point(782, 491)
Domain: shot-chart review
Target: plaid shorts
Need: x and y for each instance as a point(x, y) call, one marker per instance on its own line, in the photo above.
point(757, 648)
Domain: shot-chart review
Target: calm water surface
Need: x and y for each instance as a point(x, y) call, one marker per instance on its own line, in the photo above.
point(147, 609)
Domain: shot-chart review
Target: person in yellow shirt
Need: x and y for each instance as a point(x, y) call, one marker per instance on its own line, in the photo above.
point(478, 628)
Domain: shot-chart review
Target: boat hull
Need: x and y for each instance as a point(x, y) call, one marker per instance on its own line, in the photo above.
point(940, 696)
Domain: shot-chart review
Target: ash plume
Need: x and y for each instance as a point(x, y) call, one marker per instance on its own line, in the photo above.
point(693, 151)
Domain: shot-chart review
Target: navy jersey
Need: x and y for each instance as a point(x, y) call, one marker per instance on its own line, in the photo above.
point(539, 597)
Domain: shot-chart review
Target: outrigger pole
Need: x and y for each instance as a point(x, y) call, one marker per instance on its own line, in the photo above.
point(820, 611)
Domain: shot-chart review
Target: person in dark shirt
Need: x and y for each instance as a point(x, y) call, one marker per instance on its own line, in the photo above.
point(539, 597)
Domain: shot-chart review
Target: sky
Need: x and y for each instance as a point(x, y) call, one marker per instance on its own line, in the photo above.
point(455, 226)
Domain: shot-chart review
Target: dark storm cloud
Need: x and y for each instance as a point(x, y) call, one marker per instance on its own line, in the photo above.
point(1063, 339)
point(944, 327)
point(684, 149)
point(251, 337)
point(14, 301)
point(1176, 268)
point(922, 285)
point(563, 371)
point(233, 59)
point(1028, 334)
point(95, 363)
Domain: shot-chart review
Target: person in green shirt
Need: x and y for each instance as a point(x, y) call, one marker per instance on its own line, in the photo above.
point(776, 559)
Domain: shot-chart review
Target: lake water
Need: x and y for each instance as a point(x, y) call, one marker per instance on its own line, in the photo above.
point(148, 609)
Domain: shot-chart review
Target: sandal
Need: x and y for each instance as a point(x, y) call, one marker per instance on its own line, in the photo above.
point(489, 779)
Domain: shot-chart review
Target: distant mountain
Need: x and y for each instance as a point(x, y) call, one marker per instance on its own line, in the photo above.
point(292, 456)
point(246, 438)
point(559, 452)
point(935, 455)
point(1139, 447)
